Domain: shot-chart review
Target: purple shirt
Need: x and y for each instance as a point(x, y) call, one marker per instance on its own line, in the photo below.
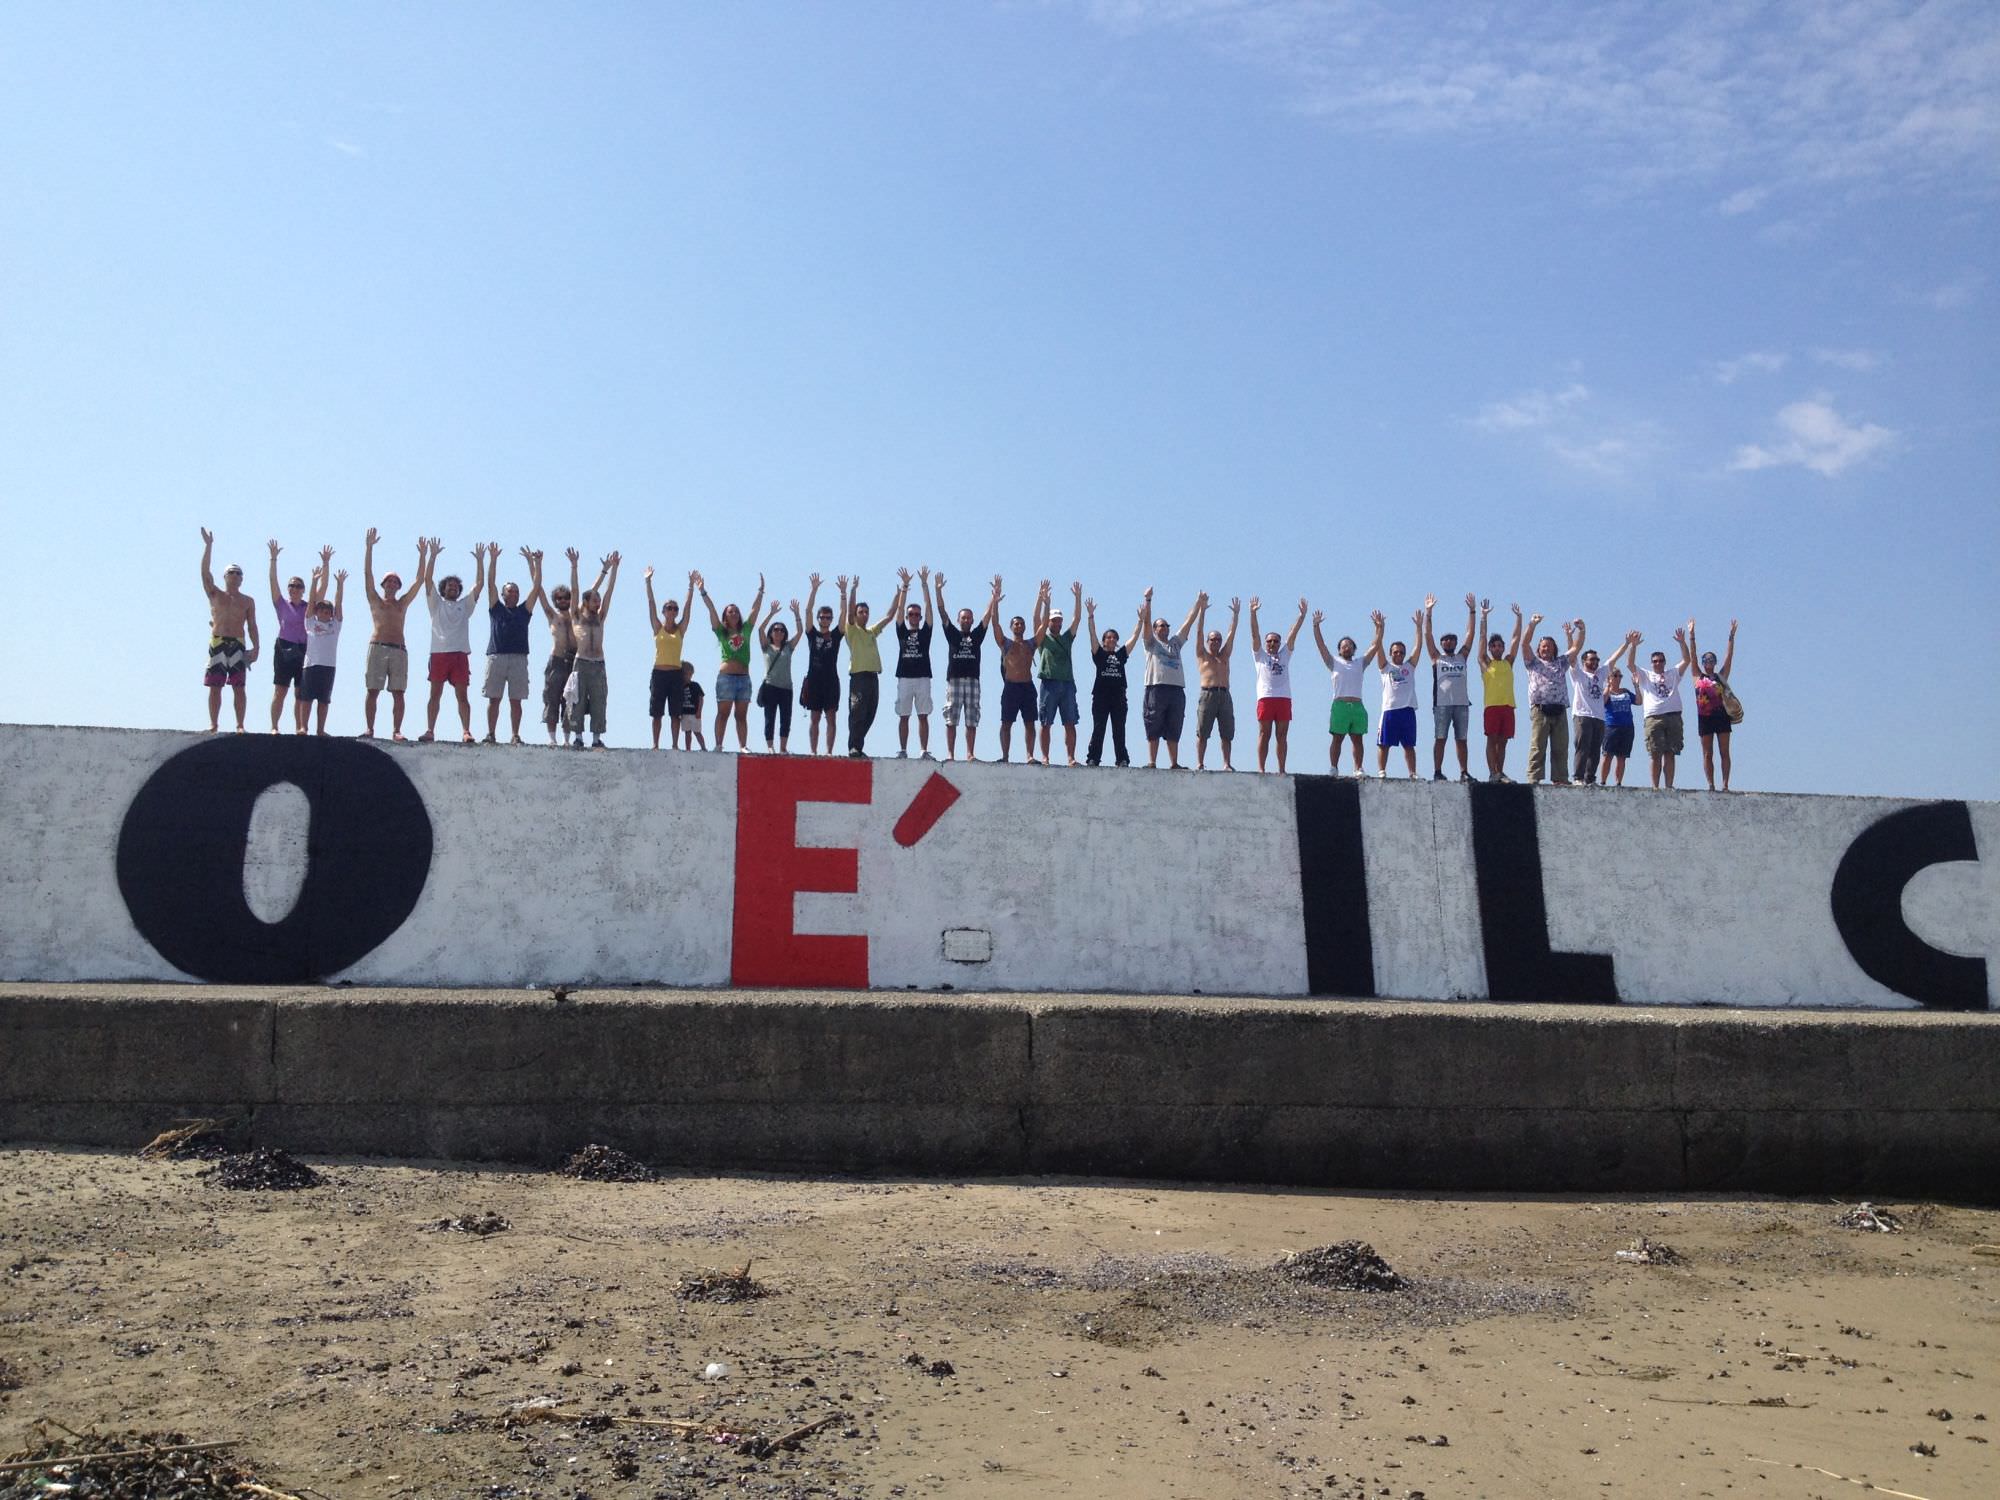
point(291, 620)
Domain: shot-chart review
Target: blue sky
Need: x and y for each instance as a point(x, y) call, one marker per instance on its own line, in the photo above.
point(1626, 311)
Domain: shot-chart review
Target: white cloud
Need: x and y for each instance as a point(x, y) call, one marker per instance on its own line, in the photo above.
point(1799, 94)
point(1858, 360)
point(346, 148)
point(1761, 361)
point(1812, 435)
point(1530, 409)
point(1956, 292)
point(1742, 201)
point(1567, 427)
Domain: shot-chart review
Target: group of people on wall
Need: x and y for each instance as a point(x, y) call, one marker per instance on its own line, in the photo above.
point(1603, 704)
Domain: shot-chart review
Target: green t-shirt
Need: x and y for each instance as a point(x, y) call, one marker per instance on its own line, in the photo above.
point(864, 652)
point(1056, 663)
point(735, 645)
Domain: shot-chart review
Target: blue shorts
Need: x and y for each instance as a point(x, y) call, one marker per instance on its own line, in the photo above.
point(1399, 729)
point(732, 687)
point(1058, 698)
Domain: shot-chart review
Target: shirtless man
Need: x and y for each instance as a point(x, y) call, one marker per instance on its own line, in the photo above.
point(388, 663)
point(232, 614)
point(1017, 676)
point(1215, 712)
point(557, 609)
point(593, 693)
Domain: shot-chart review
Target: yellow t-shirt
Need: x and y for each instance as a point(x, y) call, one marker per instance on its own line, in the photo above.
point(864, 652)
point(1498, 676)
point(667, 649)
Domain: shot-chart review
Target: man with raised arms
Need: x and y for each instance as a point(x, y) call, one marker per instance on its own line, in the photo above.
point(451, 640)
point(1660, 691)
point(1017, 675)
point(1496, 675)
point(1348, 719)
point(1164, 709)
point(663, 689)
point(819, 695)
point(1056, 662)
point(1397, 668)
point(288, 652)
point(1586, 703)
point(1273, 656)
point(1451, 694)
point(1548, 704)
point(507, 622)
point(388, 661)
point(559, 609)
point(864, 667)
point(1215, 709)
point(232, 615)
point(962, 643)
point(913, 665)
point(592, 685)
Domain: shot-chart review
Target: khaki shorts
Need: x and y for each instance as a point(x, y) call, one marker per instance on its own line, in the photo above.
point(506, 674)
point(1664, 734)
point(388, 667)
point(1215, 713)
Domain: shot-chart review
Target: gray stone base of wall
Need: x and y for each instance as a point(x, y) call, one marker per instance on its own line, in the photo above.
point(1355, 1094)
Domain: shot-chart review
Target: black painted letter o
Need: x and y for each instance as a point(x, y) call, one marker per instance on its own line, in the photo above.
point(181, 850)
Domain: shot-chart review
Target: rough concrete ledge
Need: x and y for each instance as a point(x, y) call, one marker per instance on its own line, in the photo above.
point(1380, 1094)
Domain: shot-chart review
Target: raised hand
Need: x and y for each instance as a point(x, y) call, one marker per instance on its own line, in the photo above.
point(813, 579)
point(340, 576)
point(208, 537)
point(649, 572)
point(1236, 605)
point(530, 556)
point(572, 554)
point(795, 607)
point(841, 580)
point(1418, 620)
point(1430, 602)
point(275, 548)
point(325, 556)
point(1373, 614)
point(611, 562)
point(1303, 606)
point(1256, 601)
point(904, 574)
point(1148, 595)
point(1470, 602)
point(760, 579)
point(1533, 621)
point(924, 570)
point(996, 583)
point(1485, 605)
point(1732, 629)
point(1517, 610)
point(938, 580)
point(1090, 604)
point(372, 538)
point(1319, 617)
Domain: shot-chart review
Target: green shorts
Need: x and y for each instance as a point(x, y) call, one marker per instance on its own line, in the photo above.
point(1348, 717)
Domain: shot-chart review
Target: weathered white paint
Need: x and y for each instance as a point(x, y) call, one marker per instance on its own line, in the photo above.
point(274, 863)
point(554, 866)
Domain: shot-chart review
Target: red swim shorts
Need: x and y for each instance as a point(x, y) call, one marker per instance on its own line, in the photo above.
point(1500, 722)
point(454, 667)
point(1274, 710)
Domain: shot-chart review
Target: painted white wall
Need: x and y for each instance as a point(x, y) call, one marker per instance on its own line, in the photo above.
point(556, 866)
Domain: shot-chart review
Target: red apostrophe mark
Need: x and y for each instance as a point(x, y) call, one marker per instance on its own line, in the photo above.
point(932, 802)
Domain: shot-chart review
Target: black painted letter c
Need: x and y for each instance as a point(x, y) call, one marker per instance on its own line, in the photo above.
point(1868, 905)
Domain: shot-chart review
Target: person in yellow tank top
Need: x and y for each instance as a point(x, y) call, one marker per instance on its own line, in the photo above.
point(1496, 673)
point(669, 635)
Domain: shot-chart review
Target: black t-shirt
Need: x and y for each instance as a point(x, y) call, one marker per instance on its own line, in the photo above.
point(913, 650)
point(691, 695)
point(823, 652)
point(962, 650)
point(1110, 669)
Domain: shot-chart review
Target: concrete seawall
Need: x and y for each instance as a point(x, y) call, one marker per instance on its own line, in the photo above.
point(145, 856)
point(1339, 1094)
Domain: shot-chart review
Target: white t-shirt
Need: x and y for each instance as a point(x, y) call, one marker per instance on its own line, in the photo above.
point(1347, 676)
point(322, 641)
point(1586, 693)
point(449, 631)
point(1659, 691)
point(1274, 671)
point(1399, 686)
